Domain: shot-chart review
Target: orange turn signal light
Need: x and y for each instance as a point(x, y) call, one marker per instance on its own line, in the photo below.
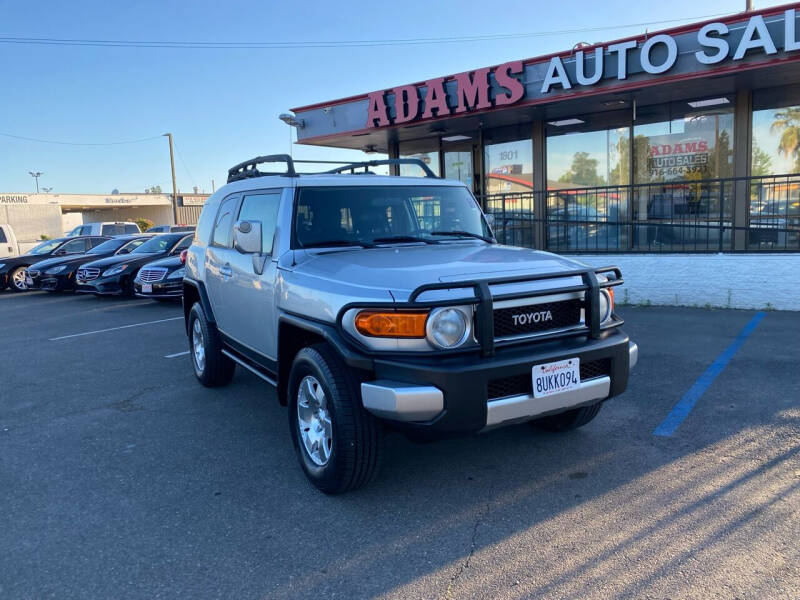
point(391, 324)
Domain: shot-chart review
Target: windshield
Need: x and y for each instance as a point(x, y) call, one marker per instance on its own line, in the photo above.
point(46, 247)
point(343, 216)
point(107, 247)
point(160, 243)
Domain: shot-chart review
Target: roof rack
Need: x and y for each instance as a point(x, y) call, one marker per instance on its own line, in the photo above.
point(388, 161)
point(248, 169)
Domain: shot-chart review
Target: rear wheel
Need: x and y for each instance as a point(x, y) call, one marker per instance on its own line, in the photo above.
point(16, 281)
point(572, 419)
point(211, 366)
point(338, 443)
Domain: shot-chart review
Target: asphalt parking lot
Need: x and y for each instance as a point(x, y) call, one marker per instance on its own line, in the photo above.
point(122, 477)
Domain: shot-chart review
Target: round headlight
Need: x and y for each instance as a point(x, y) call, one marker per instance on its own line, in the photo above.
point(606, 306)
point(447, 327)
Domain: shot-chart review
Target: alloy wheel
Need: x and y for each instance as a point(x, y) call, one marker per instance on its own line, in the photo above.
point(198, 347)
point(314, 420)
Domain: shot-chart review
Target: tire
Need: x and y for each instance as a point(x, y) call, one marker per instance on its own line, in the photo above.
point(572, 419)
point(346, 453)
point(16, 280)
point(566, 421)
point(211, 367)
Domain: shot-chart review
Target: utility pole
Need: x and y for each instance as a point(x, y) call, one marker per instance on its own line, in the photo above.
point(748, 5)
point(36, 175)
point(174, 185)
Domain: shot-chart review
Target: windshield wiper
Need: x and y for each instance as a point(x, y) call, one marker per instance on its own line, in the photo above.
point(477, 236)
point(333, 243)
point(399, 239)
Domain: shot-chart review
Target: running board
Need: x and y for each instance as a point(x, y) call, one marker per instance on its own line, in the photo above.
point(253, 370)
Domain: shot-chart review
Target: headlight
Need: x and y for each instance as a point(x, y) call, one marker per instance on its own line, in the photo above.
point(115, 270)
point(606, 304)
point(447, 327)
point(55, 270)
point(177, 274)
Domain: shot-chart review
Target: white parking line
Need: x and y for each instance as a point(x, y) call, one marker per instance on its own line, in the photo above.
point(184, 353)
point(64, 337)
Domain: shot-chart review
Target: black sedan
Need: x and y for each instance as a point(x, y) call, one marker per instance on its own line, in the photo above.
point(58, 274)
point(162, 279)
point(115, 275)
point(13, 270)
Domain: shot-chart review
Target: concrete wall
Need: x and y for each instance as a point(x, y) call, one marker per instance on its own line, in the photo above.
point(723, 280)
point(159, 215)
point(32, 221)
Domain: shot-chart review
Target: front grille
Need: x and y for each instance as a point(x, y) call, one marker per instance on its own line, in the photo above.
point(152, 275)
point(535, 318)
point(88, 274)
point(518, 385)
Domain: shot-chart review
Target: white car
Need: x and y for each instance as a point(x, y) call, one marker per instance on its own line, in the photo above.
point(8, 241)
point(108, 228)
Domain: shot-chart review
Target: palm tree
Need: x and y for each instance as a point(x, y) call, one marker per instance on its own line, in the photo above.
point(787, 121)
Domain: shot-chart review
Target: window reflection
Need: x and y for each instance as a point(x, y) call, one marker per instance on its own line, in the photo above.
point(508, 167)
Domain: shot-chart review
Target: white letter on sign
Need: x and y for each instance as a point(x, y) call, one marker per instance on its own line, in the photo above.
point(756, 24)
point(672, 53)
point(790, 42)
point(622, 56)
point(706, 40)
point(580, 67)
point(555, 74)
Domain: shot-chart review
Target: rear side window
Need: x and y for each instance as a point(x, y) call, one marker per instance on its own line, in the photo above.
point(83, 230)
point(113, 230)
point(183, 244)
point(3, 238)
point(223, 226)
point(263, 208)
point(97, 241)
point(74, 247)
point(131, 229)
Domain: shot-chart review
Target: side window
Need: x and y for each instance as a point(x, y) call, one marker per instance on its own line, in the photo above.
point(85, 230)
point(74, 247)
point(264, 208)
point(131, 229)
point(96, 241)
point(112, 230)
point(3, 238)
point(182, 245)
point(223, 226)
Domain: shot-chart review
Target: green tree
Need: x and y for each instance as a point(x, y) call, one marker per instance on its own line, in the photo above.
point(761, 161)
point(787, 122)
point(156, 189)
point(583, 171)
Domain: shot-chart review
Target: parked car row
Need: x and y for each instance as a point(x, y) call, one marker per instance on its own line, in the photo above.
point(143, 264)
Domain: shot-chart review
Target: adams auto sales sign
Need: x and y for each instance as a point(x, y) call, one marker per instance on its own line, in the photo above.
point(709, 48)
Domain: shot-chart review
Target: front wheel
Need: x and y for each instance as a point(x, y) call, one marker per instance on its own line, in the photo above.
point(338, 443)
point(17, 279)
point(211, 366)
point(572, 419)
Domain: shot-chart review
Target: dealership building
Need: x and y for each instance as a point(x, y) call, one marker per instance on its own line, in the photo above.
point(675, 154)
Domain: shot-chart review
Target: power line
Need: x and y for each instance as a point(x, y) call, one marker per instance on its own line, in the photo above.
point(183, 162)
point(31, 139)
point(323, 44)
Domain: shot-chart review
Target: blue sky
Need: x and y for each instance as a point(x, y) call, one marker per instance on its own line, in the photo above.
point(222, 105)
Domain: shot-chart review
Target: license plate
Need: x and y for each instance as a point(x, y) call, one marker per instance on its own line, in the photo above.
point(28, 281)
point(555, 377)
point(147, 288)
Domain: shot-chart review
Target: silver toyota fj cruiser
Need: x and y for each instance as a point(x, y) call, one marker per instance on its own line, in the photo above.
point(373, 301)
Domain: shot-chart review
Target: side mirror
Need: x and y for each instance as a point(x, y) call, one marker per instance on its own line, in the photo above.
point(247, 237)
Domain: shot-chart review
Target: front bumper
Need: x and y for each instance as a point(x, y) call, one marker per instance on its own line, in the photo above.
point(102, 286)
point(163, 289)
point(52, 283)
point(459, 394)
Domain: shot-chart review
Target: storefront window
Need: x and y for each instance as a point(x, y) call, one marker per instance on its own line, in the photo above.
point(508, 167)
point(775, 167)
point(586, 197)
point(431, 160)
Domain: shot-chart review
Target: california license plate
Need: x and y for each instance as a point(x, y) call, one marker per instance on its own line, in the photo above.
point(147, 288)
point(28, 281)
point(556, 377)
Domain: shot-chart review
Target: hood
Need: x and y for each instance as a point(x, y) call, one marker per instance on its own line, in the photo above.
point(137, 259)
point(170, 262)
point(72, 259)
point(401, 269)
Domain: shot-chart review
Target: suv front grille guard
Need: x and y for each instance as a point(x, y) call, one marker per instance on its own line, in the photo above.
point(484, 303)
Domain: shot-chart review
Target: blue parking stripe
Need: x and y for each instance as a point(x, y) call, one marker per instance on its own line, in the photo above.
point(682, 409)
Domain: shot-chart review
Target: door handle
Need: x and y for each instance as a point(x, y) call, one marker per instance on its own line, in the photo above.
point(226, 270)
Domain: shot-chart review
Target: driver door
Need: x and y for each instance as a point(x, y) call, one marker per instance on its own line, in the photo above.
point(253, 294)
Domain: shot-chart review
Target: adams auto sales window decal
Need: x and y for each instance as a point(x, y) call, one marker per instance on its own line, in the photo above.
point(711, 45)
